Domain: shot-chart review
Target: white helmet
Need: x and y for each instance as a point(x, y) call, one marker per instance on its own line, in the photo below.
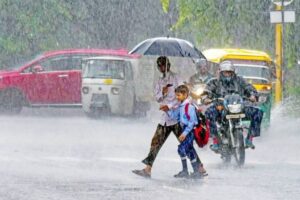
point(226, 66)
point(201, 62)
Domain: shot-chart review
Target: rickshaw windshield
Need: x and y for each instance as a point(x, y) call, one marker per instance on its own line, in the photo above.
point(257, 73)
point(113, 69)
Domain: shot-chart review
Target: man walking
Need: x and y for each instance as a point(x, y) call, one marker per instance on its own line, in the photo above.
point(164, 92)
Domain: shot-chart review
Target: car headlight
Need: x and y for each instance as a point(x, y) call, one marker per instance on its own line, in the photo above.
point(115, 90)
point(85, 90)
point(235, 108)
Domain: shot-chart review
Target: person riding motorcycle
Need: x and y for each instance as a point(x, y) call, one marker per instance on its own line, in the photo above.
point(228, 83)
point(202, 75)
point(197, 82)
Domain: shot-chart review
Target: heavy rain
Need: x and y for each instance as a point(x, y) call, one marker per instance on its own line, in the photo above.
point(78, 110)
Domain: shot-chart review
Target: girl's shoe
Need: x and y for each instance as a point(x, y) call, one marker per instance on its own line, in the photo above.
point(182, 174)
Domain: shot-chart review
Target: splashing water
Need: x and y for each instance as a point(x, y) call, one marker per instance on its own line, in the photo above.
point(68, 156)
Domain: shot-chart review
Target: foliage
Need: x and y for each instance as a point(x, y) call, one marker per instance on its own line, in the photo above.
point(165, 5)
point(29, 27)
point(238, 24)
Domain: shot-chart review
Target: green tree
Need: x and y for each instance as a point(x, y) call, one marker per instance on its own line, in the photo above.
point(28, 27)
point(239, 24)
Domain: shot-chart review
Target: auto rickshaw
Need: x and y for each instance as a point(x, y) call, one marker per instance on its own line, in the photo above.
point(256, 67)
point(107, 86)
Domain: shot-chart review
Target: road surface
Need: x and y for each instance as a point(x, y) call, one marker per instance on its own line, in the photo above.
point(59, 154)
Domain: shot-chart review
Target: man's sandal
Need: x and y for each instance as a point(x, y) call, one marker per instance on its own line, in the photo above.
point(142, 173)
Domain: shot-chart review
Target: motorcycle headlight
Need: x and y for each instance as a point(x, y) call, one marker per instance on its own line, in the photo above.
point(235, 108)
point(262, 99)
point(199, 91)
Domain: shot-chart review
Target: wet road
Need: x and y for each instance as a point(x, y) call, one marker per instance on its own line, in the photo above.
point(61, 154)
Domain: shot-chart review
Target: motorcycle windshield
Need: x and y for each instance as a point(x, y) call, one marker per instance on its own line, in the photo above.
point(233, 99)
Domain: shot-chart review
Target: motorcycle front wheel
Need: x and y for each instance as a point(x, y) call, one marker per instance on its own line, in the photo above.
point(239, 151)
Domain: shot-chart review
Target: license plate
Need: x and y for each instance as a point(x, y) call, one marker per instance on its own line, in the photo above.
point(99, 98)
point(235, 116)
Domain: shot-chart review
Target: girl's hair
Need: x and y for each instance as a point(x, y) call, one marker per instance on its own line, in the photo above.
point(183, 89)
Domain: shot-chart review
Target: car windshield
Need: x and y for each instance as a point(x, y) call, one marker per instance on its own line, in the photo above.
point(104, 69)
point(23, 62)
point(253, 71)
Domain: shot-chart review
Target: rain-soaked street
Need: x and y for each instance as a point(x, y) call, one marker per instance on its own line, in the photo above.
point(109, 55)
point(64, 155)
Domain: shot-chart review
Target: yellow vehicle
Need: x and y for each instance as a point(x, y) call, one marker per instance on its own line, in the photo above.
point(255, 66)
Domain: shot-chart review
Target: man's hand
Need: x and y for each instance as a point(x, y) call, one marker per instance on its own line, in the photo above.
point(165, 90)
point(252, 98)
point(164, 108)
point(207, 101)
point(182, 137)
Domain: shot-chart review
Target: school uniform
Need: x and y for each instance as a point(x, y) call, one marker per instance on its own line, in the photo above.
point(188, 120)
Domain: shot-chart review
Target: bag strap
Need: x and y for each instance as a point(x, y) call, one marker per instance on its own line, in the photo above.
point(186, 111)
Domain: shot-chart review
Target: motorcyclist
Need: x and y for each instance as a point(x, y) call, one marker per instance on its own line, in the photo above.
point(227, 83)
point(202, 75)
point(200, 78)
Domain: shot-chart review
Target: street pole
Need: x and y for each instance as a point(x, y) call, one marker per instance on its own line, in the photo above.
point(286, 17)
point(278, 58)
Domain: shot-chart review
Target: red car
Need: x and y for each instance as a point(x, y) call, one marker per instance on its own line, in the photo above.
point(51, 79)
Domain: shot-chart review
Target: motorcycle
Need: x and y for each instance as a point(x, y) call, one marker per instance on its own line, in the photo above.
point(230, 128)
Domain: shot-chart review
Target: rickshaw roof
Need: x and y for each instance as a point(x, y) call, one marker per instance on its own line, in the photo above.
point(218, 55)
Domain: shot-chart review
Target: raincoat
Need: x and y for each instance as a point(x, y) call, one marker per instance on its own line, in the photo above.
point(217, 88)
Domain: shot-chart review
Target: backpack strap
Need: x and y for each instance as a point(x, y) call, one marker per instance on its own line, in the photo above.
point(186, 111)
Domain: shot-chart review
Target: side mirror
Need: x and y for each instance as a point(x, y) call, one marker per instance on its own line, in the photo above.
point(37, 68)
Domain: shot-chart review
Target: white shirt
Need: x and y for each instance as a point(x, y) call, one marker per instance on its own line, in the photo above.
point(170, 98)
